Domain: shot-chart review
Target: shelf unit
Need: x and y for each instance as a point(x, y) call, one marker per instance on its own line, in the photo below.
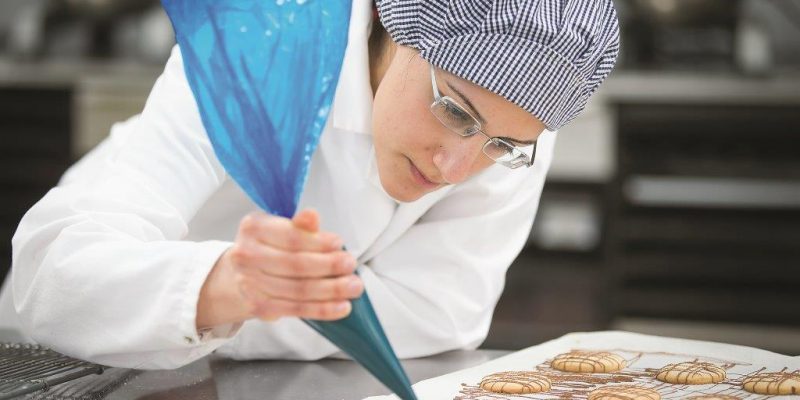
point(711, 252)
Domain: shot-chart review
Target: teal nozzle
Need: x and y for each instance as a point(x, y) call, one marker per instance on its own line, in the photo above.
point(361, 336)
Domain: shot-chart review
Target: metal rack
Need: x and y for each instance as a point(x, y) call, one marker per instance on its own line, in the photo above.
point(27, 368)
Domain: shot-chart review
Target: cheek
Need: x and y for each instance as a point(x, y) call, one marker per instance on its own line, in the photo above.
point(480, 164)
point(404, 126)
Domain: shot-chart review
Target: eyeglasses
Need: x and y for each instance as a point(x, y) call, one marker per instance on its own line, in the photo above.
point(456, 118)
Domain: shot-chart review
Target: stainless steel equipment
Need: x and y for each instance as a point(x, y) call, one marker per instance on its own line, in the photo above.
point(26, 368)
point(36, 373)
point(74, 28)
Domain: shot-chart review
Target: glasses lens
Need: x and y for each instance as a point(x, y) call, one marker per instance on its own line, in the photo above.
point(455, 118)
point(504, 153)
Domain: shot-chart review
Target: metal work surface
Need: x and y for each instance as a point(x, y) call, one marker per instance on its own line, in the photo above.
point(216, 378)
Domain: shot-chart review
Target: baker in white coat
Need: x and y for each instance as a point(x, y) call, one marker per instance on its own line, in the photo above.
point(148, 255)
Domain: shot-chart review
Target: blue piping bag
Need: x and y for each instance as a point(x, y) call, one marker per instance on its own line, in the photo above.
point(263, 74)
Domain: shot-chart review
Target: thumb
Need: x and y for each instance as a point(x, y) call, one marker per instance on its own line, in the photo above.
point(307, 220)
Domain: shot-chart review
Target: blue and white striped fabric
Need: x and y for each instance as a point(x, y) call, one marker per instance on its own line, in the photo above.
point(547, 56)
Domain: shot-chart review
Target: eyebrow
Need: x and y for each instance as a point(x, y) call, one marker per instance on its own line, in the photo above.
point(480, 117)
point(466, 100)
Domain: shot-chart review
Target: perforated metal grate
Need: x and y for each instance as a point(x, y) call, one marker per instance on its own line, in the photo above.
point(27, 368)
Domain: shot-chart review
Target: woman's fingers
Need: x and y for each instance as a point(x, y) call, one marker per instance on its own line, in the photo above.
point(268, 308)
point(307, 220)
point(287, 267)
point(278, 263)
point(328, 289)
point(284, 234)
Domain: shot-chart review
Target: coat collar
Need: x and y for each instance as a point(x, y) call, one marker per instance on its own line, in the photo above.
point(352, 104)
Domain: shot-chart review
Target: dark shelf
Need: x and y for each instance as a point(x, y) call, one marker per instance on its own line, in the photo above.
point(683, 269)
point(704, 303)
point(35, 133)
point(706, 262)
point(709, 140)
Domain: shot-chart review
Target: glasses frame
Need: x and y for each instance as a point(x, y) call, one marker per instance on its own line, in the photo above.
point(518, 157)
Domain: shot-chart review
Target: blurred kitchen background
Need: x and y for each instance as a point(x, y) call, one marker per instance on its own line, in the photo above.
point(672, 206)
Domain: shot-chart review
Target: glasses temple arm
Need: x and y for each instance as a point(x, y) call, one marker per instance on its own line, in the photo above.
point(436, 95)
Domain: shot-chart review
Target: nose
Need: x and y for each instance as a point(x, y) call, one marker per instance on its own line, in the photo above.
point(455, 156)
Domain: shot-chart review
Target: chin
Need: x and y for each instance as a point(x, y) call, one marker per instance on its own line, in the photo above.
point(402, 195)
point(397, 185)
point(400, 192)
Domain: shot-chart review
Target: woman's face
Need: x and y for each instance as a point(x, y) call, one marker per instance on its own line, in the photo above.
point(415, 153)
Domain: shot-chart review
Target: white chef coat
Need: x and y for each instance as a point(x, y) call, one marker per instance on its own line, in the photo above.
point(108, 266)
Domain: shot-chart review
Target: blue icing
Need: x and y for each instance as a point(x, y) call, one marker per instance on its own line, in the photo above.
point(263, 101)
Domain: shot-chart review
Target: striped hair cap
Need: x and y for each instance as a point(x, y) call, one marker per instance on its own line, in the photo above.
point(546, 56)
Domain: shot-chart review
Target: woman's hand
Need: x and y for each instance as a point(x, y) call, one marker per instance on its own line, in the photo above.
point(279, 267)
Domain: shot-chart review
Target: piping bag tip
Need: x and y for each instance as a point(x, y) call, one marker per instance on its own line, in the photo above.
point(361, 336)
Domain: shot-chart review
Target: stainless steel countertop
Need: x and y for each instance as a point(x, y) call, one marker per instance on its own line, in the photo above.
point(217, 378)
point(214, 377)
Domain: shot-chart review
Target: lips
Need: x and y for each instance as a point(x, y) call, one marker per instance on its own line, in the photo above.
point(420, 178)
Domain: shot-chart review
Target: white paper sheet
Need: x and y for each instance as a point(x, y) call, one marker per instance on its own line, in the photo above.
point(644, 354)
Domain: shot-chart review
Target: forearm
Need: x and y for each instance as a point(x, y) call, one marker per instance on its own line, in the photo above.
point(98, 297)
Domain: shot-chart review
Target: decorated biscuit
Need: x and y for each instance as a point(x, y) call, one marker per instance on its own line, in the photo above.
point(691, 373)
point(773, 383)
point(516, 382)
point(623, 392)
point(588, 361)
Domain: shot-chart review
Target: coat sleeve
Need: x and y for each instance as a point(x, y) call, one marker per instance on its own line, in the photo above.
point(99, 269)
point(436, 287)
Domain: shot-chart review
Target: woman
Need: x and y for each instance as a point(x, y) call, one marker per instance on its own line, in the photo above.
point(430, 168)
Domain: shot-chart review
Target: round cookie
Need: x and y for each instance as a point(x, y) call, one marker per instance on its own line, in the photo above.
point(773, 383)
point(623, 392)
point(588, 361)
point(691, 373)
point(516, 382)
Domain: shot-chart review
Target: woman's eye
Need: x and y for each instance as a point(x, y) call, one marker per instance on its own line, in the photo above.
point(457, 114)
